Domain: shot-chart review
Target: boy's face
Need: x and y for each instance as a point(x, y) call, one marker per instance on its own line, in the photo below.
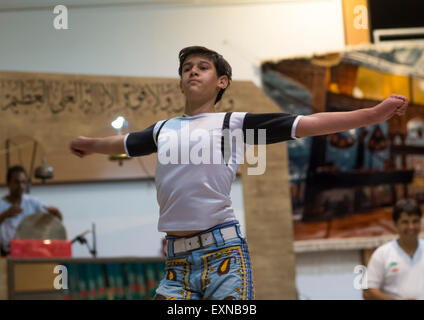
point(199, 80)
point(408, 226)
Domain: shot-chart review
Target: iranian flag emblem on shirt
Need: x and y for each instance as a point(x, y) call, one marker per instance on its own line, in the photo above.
point(394, 267)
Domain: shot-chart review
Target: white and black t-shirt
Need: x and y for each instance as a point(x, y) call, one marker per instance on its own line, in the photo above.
point(198, 158)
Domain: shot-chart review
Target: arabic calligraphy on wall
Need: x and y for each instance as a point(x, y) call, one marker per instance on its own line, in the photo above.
point(29, 95)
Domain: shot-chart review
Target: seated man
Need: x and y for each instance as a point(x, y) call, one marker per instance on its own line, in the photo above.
point(16, 206)
point(396, 269)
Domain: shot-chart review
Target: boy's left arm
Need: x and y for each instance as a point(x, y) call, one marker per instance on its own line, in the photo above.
point(331, 122)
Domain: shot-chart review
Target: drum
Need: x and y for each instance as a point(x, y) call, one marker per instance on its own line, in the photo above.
point(41, 226)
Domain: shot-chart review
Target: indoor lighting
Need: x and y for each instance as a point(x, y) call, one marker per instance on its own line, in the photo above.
point(118, 123)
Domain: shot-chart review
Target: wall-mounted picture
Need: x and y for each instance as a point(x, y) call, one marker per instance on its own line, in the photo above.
point(344, 185)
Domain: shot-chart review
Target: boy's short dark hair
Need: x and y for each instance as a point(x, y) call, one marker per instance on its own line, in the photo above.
point(221, 65)
point(14, 169)
point(409, 206)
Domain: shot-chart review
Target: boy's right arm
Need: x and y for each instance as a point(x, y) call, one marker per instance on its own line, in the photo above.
point(84, 146)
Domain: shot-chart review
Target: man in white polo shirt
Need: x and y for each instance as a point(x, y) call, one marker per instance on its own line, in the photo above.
point(17, 205)
point(396, 269)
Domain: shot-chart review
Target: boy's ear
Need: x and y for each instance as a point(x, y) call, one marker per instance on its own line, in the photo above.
point(223, 82)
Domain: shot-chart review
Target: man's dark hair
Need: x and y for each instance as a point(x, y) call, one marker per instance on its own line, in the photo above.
point(221, 65)
point(12, 170)
point(409, 206)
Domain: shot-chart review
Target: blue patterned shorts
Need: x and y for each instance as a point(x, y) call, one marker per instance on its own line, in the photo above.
point(221, 271)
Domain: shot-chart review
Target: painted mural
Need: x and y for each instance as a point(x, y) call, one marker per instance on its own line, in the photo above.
point(344, 185)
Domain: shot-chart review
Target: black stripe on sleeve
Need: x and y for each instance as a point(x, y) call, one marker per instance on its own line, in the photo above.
point(141, 143)
point(225, 148)
point(278, 126)
point(157, 133)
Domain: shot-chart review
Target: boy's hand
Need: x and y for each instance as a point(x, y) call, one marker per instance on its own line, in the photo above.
point(81, 146)
point(393, 105)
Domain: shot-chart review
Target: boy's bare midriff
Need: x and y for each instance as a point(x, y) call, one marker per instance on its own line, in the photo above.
point(183, 233)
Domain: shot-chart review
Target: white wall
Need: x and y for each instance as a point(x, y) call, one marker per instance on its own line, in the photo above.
point(145, 40)
point(327, 275)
